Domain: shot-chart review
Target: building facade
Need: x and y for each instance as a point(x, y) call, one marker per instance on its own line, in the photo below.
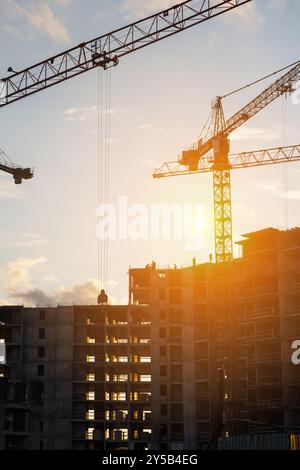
point(224, 336)
point(199, 352)
point(75, 378)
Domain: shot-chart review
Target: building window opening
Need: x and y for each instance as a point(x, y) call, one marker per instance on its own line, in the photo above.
point(90, 415)
point(90, 378)
point(90, 395)
point(90, 358)
point(120, 434)
point(145, 359)
point(89, 434)
point(145, 378)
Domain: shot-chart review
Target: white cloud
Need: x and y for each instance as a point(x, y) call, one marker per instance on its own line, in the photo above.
point(17, 274)
point(50, 278)
point(212, 38)
point(151, 163)
point(20, 239)
point(143, 127)
point(275, 186)
point(80, 294)
point(8, 190)
point(256, 134)
point(64, 3)
point(280, 4)
point(153, 127)
point(16, 277)
point(82, 114)
point(292, 195)
point(243, 211)
point(39, 16)
point(141, 8)
point(277, 189)
point(246, 18)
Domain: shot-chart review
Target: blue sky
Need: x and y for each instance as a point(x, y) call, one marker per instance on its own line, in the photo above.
point(160, 100)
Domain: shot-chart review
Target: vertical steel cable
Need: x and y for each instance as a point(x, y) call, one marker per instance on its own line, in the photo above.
point(103, 171)
point(108, 144)
point(285, 167)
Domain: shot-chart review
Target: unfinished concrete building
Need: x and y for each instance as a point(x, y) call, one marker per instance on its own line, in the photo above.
point(266, 311)
point(75, 378)
point(199, 352)
point(240, 317)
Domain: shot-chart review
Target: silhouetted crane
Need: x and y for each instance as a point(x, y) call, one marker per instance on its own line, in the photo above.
point(19, 174)
point(220, 163)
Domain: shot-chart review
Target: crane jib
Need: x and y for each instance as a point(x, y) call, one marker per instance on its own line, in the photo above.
point(106, 50)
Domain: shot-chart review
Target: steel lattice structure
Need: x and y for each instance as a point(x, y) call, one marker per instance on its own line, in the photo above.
point(196, 160)
point(16, 171)
point(237, 161)
point(284, 84)
point(105, 51)
point(222, 215)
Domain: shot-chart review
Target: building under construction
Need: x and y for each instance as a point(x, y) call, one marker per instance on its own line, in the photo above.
point(199, 353)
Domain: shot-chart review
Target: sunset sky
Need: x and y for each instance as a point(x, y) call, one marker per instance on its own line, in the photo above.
point(160, 100)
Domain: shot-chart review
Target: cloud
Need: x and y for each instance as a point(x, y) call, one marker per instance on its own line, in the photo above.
point(20, 240)
point(16, 277)
point(246, 18)
point(50, 278)
point(146, 126)
point(17, 274)
point(153, 127)
point(80, 294)
point(39, 16)
point(243, 211)
point(280, 4)
point(82, 114)
point(8, 190)
point(292, 195)
point(275, 186)
point(140, 8)
point(277, 189)
point(64, 3)
point(213, 36)
point(151, 163)
point(256, 134)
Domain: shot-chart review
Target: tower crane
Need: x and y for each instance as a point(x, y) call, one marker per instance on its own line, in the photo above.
point(196, 159)
point(104, 51)
point(19, 174)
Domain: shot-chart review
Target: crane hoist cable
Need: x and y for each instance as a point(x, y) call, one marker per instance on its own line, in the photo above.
point(285, 168)
point(107, 144)
point(103, 175)
point(99, 165)
point(106, 174)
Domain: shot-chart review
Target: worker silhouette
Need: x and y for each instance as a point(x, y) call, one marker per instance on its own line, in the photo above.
point(102, 298)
